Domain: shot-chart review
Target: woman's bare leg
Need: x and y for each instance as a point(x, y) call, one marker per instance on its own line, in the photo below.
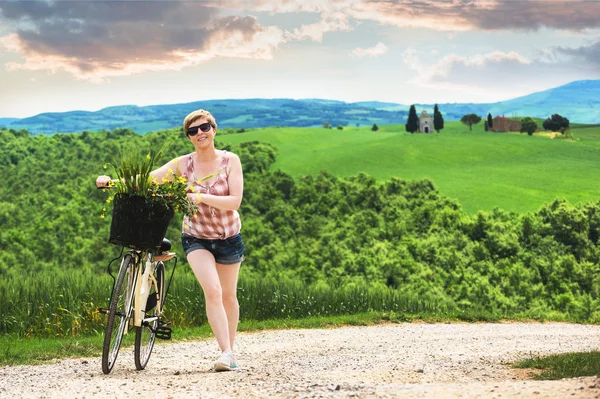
point(228, 275)
point(204, 267)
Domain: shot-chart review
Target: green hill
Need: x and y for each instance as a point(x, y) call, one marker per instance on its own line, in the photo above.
point(481, 170)
point(314, 244)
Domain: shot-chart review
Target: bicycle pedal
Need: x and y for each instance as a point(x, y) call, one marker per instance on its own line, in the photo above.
point(103, 310)
point(163, 332)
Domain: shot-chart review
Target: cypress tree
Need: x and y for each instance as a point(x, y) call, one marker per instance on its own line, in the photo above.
point(412, 124)
point(438, 119)
point(490, 121)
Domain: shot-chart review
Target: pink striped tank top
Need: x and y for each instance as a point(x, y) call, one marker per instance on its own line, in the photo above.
point(211, 223)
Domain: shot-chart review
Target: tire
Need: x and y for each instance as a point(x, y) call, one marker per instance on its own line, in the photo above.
point(146, 334)
point(119, 312)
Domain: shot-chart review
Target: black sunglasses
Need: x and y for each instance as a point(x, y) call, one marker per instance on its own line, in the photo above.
point(205, 127)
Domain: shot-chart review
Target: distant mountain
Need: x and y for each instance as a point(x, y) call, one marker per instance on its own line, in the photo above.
point(579, 101)
point(7, 121)
point(247, 113)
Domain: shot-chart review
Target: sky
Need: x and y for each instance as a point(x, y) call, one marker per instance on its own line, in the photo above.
point(58, 56)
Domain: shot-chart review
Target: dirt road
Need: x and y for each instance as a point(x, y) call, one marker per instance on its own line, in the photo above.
point(384, 361)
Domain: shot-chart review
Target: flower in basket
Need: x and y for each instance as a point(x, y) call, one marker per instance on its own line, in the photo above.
point(143, 206)
point(133, 178)
point(173, 192)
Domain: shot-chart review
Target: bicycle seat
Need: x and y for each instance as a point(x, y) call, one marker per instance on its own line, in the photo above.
point(165, 246)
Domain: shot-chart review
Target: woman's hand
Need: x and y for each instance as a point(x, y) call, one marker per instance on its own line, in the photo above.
point(103, 181)
point(194, 197)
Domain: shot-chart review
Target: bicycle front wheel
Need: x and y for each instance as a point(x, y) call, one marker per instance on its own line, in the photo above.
point(145, 335)
point(119, 312)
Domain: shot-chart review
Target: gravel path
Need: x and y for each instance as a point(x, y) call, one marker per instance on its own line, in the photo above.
point(384, 361)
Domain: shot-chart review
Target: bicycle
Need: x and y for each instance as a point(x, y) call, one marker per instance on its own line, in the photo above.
point(137, 300)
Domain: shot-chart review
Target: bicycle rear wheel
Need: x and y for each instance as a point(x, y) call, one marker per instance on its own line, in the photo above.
point(119, 312)
point(145, 335)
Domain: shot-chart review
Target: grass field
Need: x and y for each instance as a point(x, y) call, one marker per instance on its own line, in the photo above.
point(481, 170)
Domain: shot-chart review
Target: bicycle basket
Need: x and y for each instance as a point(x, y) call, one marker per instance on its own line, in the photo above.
point(138, 222)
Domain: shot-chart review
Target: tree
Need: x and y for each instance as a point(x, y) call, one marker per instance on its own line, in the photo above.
point(375, 127)
point(438, 119)
point(490, 121)
point(326, 125)
point(528, 125)
point(485, 125)
point(470, 120)
point(556, 123)
point(412, 123)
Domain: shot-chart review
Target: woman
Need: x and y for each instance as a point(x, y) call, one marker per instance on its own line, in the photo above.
point(211, 240)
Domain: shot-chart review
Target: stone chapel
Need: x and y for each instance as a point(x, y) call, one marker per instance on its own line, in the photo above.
point(425, 123)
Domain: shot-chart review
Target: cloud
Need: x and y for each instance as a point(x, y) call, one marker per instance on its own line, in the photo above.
point(589, 55)
point(455, 71)
point(377, 50)
point(286, 6)
point(98, 39)
point(462, 15)
point(94, 40)
point(449, 15)
point(534, 14)
point(330, 22)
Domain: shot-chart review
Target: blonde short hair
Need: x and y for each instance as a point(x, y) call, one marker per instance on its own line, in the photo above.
point(199, 114)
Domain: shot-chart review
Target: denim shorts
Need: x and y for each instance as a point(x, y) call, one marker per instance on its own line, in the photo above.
point(226, 252)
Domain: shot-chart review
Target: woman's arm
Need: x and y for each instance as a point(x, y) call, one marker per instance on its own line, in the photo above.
point(235, 179)
point(168, 170)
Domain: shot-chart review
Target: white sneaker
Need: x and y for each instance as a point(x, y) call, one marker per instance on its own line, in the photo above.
point(226, 362)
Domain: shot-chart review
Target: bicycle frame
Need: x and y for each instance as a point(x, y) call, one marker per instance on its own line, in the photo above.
point(139, 284)
point(142, 290)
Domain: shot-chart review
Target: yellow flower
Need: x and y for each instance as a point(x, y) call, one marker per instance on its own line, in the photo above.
point(104, 166)
point(187, 226)
point(192, 188)
point(102, 216)
point(170, 170)
point(148, 156)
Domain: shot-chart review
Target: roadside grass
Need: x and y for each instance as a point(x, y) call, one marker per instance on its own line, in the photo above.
point(482, 170)
point(21, 350)
point(567, 365)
